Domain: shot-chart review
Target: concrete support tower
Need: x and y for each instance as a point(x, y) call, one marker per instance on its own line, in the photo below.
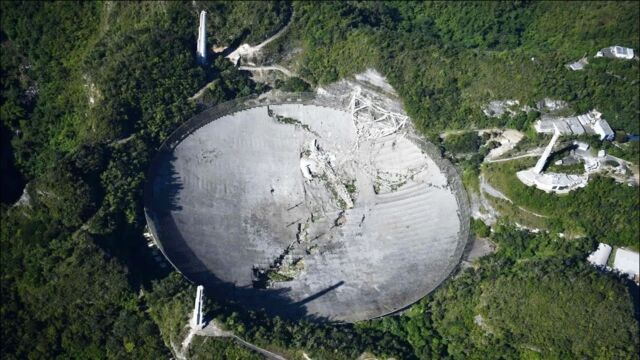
point(202, 38)
point(547, 151)
point(197, 320)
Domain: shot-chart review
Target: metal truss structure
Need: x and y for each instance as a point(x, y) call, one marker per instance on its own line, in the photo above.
point(371, 120)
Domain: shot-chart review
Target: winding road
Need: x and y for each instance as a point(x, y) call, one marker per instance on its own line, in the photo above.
point(245, 50)
point(213, 330)
point(532, 153)
point(282, 69)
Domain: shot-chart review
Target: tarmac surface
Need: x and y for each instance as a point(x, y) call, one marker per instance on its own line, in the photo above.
point(231, 203)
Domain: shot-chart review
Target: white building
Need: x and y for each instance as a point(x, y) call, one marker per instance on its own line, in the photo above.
point(589, 123)
point(582, 146)
point(578, 65)
point(602, 128)
point(617, 52)
point(627, 262)
point(624, 261)
point(600, 256)
point(565, 125)
point(202, 38)
point(548, 104)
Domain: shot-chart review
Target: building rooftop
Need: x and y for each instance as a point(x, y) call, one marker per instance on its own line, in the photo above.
point(603, 129)
point(583, 146)
point(589, 123)
point(600, 256)
point(565, 125)
point(617, 52)
point(627, 262)
point(578, 65)
point(624, 261)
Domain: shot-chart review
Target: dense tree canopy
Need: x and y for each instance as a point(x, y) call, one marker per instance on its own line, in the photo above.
point(447, 59)
point(534, 298)
point(89, 90)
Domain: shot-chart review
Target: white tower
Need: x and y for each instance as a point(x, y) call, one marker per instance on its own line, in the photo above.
point(197, 318)
point(545, 155)
point(202, 38)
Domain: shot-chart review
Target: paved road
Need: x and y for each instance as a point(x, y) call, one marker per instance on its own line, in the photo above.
point(267, 354)
point(461, 131)
point(201, 91)
point(278, 34)
point(533, 153)
point(246, 50)
point(485, 187)
point(282, 69)
point(213, 330)
point(488, 189)
point(252, 50)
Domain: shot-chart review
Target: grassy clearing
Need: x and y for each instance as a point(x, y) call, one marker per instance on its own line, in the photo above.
point(511, 213)
point(471, 180)
point(577, 169)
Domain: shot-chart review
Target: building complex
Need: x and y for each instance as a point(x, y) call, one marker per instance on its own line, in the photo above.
point(590, 123)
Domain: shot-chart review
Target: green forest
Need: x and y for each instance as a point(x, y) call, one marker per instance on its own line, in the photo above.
point(446, 59)
point(89, 91)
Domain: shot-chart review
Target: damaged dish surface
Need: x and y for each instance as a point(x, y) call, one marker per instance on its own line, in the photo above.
point(308, 210)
